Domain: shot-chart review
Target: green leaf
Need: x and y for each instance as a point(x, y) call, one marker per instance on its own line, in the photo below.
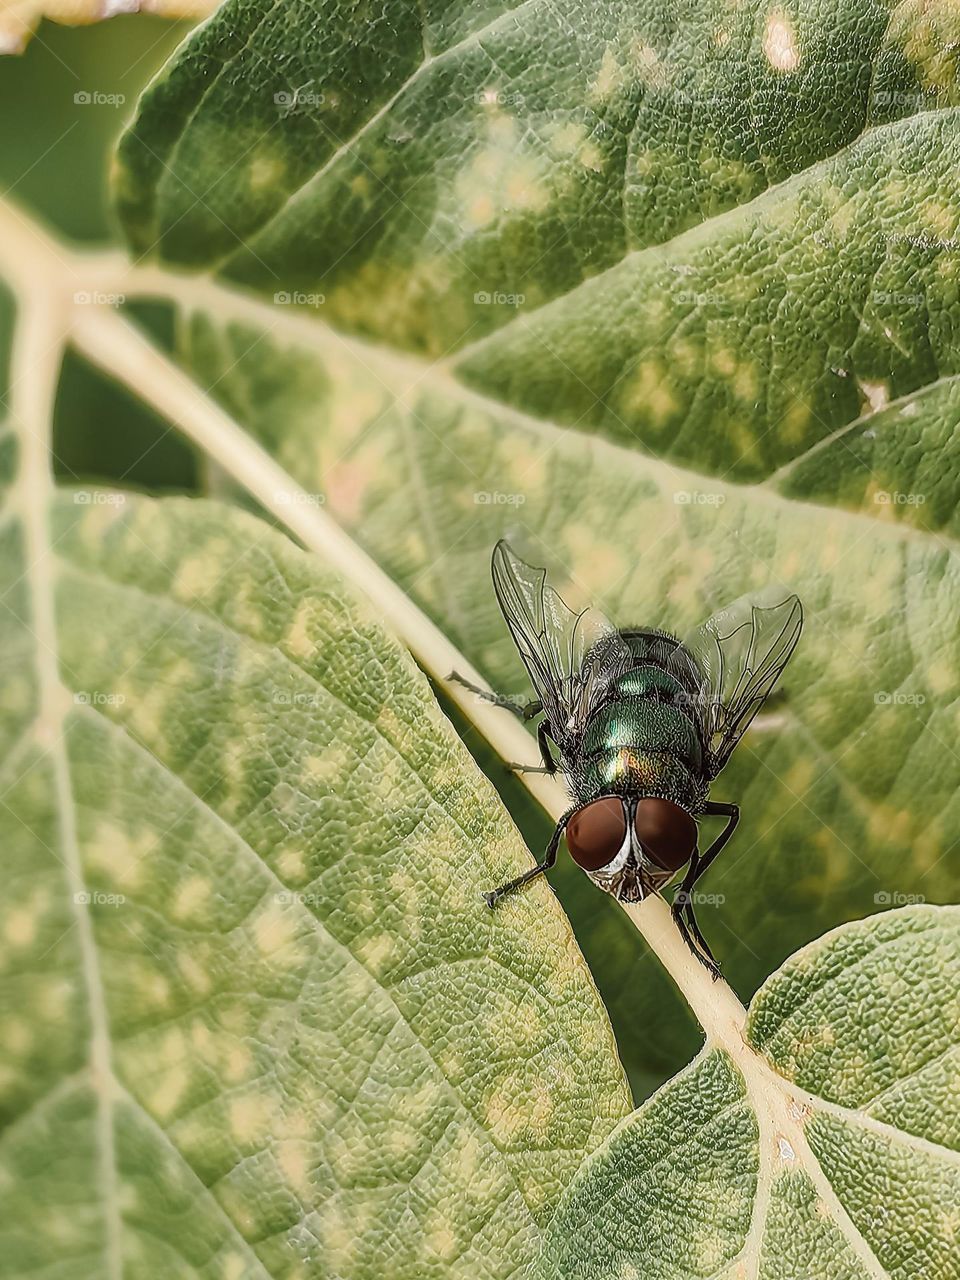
point(257, 1019)
point(412, 166)
point(828, 1146)
point(848, 787)
point(766, 328)
point(735, 237)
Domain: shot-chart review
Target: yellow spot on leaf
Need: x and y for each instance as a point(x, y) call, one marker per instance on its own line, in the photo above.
point(191, 897)
point(119, 855)
point(375, 952)
point(249, 1118)
point(163, 1101)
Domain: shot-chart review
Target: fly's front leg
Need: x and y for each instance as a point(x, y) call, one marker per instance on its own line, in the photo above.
point(522, 710)
point(549, 858)
point(686, 921)
point(682, 906)
point(732, 814)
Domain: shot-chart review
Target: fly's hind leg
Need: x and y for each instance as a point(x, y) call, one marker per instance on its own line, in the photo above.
point(522, 710)
point(546, 755)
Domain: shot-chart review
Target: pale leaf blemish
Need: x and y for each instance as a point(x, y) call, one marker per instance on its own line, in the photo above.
point(21, 926)
point(234, 1267)
point(375, 953)
point(274, 932)
point(565, 141)
point(163, 1101)
point(650, 66)
point(291, 864)
point(192, 897)
point(780, 42)
point(302, 638)
point(119, 855)
point(610, 77)
point(17, 1037)
point(294, 1162)
point(195, 974)
point(266, 171)
point(249, 1118)
point(238, 1061)
point(876, 394)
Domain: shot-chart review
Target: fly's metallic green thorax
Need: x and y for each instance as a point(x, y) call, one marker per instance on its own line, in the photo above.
point(644, 740)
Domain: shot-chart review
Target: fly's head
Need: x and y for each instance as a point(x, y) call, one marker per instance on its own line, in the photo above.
point(631, 848)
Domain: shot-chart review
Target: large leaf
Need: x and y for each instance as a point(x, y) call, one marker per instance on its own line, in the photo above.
point(257, 1020)
point(827, 1145)
point(427, 170)
point(848, 790)
point(743, 342)
point(734, 234)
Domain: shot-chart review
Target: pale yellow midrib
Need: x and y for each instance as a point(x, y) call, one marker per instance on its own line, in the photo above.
point(35, 370)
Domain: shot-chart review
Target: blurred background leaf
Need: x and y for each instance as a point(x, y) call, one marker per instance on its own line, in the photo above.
point(56, 162)
point(19, 19)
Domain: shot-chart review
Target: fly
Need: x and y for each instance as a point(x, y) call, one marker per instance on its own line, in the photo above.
point(641, 723)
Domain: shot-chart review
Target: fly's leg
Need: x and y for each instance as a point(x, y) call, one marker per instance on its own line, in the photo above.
point(549, 764)
point(702, 943)
point(686, 921)
point(732, 814)
point(682, 907)
point(522, 710)
point(549, 858)
point(680, 922)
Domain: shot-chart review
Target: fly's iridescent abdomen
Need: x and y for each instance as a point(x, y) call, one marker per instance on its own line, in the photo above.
point(646, 738)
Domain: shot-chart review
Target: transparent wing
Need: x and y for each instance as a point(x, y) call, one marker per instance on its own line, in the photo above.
point(571, 658)
point(741, 651)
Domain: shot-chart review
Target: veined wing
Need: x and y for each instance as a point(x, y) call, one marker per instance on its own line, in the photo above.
point(571, 658)
point(742, 651)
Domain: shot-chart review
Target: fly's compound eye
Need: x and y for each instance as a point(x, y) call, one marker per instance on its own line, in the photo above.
point(595, 834)
point(667, 834)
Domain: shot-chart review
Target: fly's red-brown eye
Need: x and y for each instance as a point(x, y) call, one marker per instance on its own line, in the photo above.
point(595, 834)
point(667, 834)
